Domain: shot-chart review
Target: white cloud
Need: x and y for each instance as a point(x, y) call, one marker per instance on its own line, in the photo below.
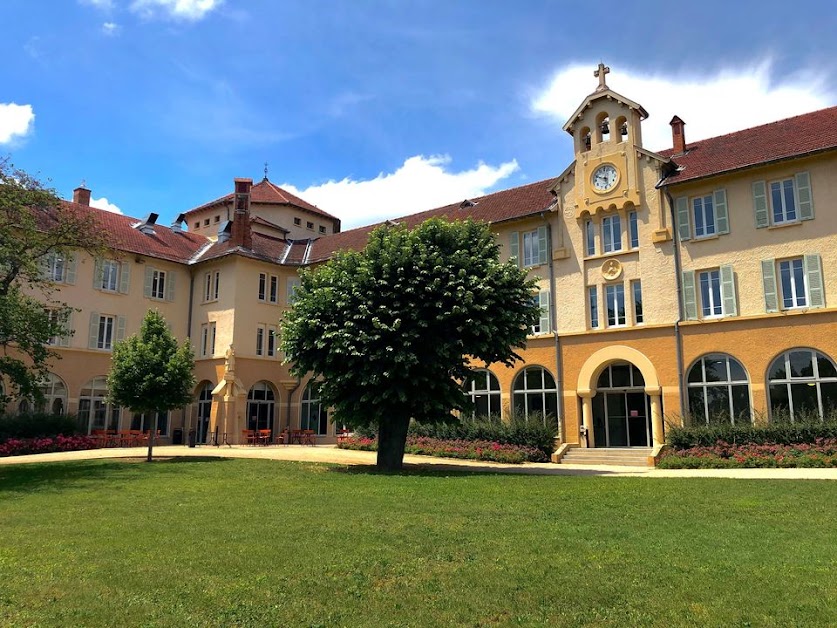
point(420, 183)
point(103, 203)
point(15, 121)
point(110, 28)
point(192, 10)
point(727, 100)
point(105, 5)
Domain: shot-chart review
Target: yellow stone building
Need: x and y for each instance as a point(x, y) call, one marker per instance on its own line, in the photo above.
point(694, 281)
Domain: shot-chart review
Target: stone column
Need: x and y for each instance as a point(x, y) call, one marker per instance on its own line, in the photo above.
point(656, 419)
point(587, 417)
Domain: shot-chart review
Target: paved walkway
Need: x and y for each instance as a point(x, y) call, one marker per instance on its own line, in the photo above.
point(331, 454)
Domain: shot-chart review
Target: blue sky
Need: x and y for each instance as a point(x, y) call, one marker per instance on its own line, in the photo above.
point(376, 109)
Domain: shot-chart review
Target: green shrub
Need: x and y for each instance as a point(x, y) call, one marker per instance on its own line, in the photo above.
point(36, 425)
point(774, 433)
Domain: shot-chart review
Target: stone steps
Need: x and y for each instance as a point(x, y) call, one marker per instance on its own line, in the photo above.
point(628, 457)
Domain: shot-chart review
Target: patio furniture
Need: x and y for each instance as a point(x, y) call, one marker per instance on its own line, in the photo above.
point(263, 437)
point(343, 435)
point(308, 437)
point(282, 438)
point(249, 436)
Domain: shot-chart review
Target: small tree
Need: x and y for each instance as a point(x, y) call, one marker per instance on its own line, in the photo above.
point(150, 373)
point(390, 328)
point(35, 228)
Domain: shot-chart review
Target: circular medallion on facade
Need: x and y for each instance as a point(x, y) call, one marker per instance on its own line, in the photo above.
point(611, 269)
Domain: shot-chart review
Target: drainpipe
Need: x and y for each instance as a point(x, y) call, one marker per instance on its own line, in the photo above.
point(188, 425)
point(553, 321)
point(678, 278)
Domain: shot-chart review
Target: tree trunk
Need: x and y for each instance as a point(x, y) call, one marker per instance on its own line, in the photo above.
point(392, 438)
point(151, 438)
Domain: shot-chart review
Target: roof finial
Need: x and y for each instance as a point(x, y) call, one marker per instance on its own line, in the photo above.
point(600, 74)
point(83, 184)
point(265, 171)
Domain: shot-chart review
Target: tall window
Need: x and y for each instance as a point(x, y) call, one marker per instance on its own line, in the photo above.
point(93, 412)
point(636, 289)
point(483, 389)
point(216, 284)
point(211, 285)
point(711, 303)
point(158, 284)
point(272, 337)
point(589, 238)
point(60, 317)
point(535, 394)
point(204, 412)
point(292, 285)
point(802, 386)
point(312, 414)
point(262, 286)
point(260, 332)
point(107, 325)
point(703, 214)
point(719, 390)
point(792, 282)
point(110, 275)
point(56, 267)
point(208, 339)
point(593, 299)
point(260, 405)
point(612, 233)
point(783, 201)
point(531, 248)
point(633, 230)
point(274, 289)
point(615, 298)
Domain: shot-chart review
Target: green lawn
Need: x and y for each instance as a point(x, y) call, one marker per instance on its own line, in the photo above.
point(265, 543)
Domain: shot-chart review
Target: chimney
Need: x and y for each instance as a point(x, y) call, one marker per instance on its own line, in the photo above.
point(81, 195)
point(678, 135)
point(241, 233)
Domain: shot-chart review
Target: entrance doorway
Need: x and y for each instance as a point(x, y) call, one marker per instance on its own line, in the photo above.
point(621, 409)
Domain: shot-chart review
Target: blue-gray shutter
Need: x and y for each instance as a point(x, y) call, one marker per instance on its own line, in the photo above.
point(542, 245)
point(149, 278)
point(730, 303)
point(98, 274)
point(681, 211)
point(760, 205)
point(514, 247)
point(813, 272)
point(125, 277)
point(169, 286)
point(70, 270)
point(93, 339)
point(120, 328)
point(721, 213)
point(543, 301)
point(690, 311)
point(768, 276)
point(806, 199)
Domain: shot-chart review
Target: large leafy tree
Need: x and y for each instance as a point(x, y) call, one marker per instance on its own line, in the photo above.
point(151, 373)
point(390, 329)
point(35, 227)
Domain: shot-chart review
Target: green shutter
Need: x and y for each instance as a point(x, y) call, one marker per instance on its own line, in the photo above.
point(98, 274)
point(120, 328)
point(93, 339)
point(760, 205)
point(689, 296)
point(728, 291)
point(169, 286)
point(768, 275)
point(813, 272)
point(64, 341)
point(542, 245)
point(125, 277)
point(543, 301)
point(514, 247)
point(70, 271)
point(149, 278)
point(681, 211)
point(803, 192)
point(721, 214)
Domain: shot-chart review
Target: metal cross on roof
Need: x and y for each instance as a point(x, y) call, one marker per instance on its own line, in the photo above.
point(600, 74)
point(265, 170)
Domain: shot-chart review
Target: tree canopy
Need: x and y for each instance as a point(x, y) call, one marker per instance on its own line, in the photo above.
point(38, 237)
point(391, 329)
point(150, 372)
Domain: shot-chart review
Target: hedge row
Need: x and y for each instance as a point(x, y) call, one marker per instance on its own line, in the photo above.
point(463, 449)
point(755, 434)
point(36, 425)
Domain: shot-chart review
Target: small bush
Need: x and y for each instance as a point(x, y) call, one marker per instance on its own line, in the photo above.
point(24, 446)
point(723, 455)
point(780, 433)
point(36, 425)
point(456, 448)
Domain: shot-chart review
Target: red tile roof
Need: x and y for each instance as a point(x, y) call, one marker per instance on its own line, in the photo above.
point(518, 202)
point(267, 192)
point(264, 247)
point(793, 137)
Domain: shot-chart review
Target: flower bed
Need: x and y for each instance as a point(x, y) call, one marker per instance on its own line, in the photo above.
point(466, 449)
point(723, 455)
point(24, 446)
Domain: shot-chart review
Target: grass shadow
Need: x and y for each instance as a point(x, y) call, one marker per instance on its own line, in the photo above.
point(443, 470)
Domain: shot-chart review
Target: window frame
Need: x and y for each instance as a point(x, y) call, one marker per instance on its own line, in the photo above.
point(110, 270)
point(784, 211)
point(816, 379)
point(593, 307)
point(633, 230)
point(727, 385)
point(795, 295)
point(104, 341)
point(617, 291)
point(611, 233)
point(636, 301)
point(707, 310)
point(159, 279)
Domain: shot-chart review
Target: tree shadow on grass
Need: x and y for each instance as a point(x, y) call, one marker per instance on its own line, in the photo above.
point(57, 476)
point(442, 470)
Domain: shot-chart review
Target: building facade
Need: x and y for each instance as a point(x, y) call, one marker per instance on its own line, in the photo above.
point(692, 283)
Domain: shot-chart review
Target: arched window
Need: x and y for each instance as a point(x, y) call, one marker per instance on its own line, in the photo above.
point(584, 140)
point(55, 395)
point(204, 411)
point(312, 414)
point(483, 388)
point(719, 390)
point(260, 404)
point(535, 394)
point(803, 386)
point(93, 412)
point(621, 127)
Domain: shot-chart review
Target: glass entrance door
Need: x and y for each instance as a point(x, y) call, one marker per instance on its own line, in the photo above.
point(621, 409)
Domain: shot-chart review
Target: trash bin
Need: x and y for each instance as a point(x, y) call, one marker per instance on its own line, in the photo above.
point(192, 437)
point(177, 436)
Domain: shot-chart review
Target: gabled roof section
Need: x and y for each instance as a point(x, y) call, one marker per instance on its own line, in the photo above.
point(161, 243)
point(790, 138)
point(264, 248)
point(598, 95)
point(266, 192)
point(513, 204)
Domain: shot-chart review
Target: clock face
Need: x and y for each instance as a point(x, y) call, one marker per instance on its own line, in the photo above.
point(604, 177)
